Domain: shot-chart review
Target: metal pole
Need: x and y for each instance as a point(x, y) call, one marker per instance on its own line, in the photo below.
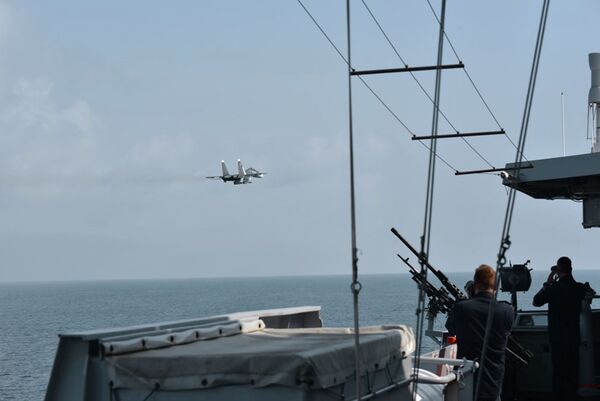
point(434, 134)
point(562, 120)
point(426, 237)
point(596, 137)
point(356, 286)
point(505, 240)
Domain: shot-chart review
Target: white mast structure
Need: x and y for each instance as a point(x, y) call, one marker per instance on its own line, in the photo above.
point(591, 204)
point(594, 100)
point(562, 121)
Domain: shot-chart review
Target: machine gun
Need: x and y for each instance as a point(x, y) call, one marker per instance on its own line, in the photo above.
point(443, 299)
point(439, 298)
point(451, 288)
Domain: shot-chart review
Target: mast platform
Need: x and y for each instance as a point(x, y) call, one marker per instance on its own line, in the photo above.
point(571, 177)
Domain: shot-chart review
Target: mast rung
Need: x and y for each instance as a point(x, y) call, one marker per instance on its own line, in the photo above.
point(493, 170)
point(458, 135)
point(407, 69)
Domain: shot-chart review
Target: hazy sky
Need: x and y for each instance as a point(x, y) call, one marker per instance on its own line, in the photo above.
point(109, 113)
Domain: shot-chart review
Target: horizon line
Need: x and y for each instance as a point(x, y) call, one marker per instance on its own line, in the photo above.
point(108, 279)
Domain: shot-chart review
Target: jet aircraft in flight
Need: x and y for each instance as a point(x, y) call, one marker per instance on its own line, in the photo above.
point(244, 176)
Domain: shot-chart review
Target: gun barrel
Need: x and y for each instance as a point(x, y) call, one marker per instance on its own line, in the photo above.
point(452, 289)
point(421, 258)
point(437, 296)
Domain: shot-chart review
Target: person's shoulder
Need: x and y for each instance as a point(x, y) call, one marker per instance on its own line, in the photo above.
point(461, 303)
point(552, 289)
point(585, 288)
point(506, 306)
point(571, 284)
point(464, 304)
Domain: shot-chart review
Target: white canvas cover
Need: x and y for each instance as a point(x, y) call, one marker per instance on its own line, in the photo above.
point(317, 358)
point(170, 339)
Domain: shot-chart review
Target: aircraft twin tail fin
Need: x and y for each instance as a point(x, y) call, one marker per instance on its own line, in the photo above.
point(224, 168)
point(241, 170)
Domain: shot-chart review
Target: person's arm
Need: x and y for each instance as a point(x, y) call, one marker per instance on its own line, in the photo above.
point(450, 321)
point(510, 318)
point(541, 298)
point(585, 290)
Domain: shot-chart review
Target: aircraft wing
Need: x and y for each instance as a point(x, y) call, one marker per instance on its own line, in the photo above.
point(255, 172)
point(215, 177)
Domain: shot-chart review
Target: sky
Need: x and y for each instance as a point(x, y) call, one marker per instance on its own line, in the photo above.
point(111, 114)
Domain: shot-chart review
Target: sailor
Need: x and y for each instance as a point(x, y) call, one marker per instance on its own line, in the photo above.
point(563, 295)
point(469, 289)
point(467, 320)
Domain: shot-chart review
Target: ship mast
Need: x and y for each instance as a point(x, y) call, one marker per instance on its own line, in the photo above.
point(355, 286)
point(427, 219)
point(505, 241)
point(594, 100)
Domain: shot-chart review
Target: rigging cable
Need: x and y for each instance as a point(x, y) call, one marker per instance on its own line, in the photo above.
point(387, 38)
point(383, 103)
point(505, 241)
point(473, 82)
point(355, 286)
point(426, 237)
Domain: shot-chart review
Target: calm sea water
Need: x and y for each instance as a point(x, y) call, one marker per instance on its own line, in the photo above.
point(32, 314)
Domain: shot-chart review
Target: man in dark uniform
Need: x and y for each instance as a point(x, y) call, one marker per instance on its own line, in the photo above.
point(563, 295)
point(468, 319)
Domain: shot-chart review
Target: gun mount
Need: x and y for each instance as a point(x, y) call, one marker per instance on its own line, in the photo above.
point(450, 287)
point(441, 300)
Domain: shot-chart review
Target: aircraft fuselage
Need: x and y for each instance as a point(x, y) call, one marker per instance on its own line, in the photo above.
point(244, 176)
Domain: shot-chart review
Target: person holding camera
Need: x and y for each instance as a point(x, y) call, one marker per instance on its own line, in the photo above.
point(564, 296)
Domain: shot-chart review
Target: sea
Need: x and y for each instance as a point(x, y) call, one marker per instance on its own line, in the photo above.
point(33, 314)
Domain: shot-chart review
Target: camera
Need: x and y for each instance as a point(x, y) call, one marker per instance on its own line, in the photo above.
point(555, 276)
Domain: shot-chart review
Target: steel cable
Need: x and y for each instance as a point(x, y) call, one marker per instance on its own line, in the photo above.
point(387, 38)
point(473, 82)
point(383, 103)
point(505, 240)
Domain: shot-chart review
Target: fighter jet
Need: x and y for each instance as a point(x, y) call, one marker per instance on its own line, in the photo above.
point(244, 176)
